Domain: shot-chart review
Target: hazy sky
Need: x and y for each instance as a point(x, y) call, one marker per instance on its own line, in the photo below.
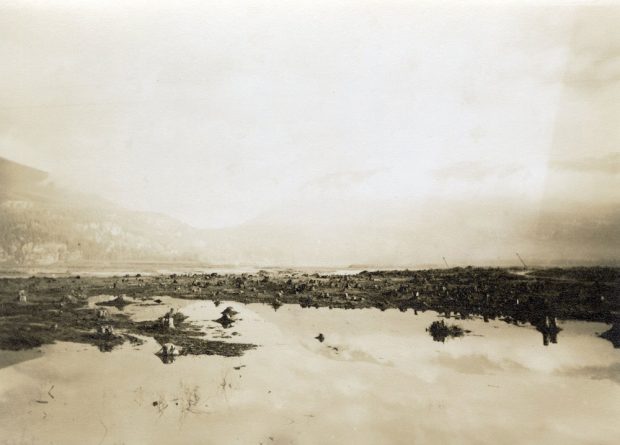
point(227, 112)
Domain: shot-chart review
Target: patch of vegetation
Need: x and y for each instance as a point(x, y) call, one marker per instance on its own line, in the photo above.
point(18, 340)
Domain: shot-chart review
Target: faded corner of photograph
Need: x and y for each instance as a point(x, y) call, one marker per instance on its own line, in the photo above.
point(309, 222)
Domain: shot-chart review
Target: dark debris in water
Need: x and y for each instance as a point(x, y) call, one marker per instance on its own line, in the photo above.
point(613, 334)
point(200, 346)
point(226, 321)
point(189, 338)
point(440, 331)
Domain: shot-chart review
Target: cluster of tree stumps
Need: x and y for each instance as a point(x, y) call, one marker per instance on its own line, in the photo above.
point(538, 297)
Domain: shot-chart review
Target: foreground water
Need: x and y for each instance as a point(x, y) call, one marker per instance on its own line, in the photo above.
point(378, 377)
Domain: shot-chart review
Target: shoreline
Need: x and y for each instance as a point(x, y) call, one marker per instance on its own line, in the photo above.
point(55, 308)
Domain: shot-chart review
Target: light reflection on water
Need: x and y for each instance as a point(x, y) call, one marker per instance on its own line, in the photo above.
point(378, 377)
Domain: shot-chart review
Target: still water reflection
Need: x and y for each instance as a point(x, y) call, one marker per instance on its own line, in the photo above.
point(377, 377)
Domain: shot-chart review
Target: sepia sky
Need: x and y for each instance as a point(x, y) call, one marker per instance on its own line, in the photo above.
point(222, 113)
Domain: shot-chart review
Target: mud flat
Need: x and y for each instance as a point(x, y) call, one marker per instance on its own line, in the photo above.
point(40, 310)
point(31, 324)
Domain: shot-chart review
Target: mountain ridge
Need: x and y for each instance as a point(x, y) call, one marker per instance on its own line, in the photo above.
point(42, 225)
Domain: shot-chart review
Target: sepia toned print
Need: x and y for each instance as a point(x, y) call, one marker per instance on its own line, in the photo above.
point(309, 222)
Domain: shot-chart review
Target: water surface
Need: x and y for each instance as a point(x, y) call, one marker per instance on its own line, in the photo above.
point(378, 377)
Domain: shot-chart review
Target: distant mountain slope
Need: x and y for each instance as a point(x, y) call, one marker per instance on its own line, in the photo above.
point(43, 225)
point(14, 174)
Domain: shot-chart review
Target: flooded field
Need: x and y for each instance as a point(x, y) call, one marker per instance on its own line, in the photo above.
point(372, 377)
